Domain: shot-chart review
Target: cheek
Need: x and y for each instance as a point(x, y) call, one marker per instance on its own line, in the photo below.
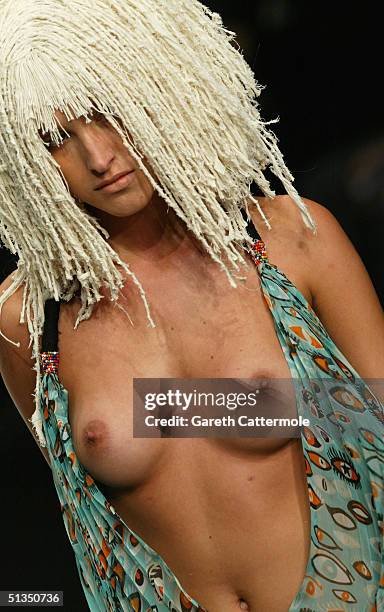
point(151, 172)
point(145, 185)
point(72, 171)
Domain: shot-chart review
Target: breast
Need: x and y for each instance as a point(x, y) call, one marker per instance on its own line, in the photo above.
point(219, 335)
point(104, 444)
point(103, 438)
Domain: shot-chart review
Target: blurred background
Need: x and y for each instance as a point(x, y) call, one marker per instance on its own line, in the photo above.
point(320, 64)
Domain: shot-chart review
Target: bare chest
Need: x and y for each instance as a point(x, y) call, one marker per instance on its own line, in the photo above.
point(203, 330)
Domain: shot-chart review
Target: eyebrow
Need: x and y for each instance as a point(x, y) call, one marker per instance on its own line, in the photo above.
point(63, 125)
point(43, 134)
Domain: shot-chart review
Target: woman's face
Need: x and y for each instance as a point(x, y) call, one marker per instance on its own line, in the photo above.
point(98, 168)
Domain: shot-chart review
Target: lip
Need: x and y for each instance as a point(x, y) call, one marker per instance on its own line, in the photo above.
point(119, 181)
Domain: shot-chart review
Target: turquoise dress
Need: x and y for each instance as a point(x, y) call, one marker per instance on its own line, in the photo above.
point(344, 457)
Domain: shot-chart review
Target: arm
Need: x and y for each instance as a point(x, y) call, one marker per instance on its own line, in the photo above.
point(16, 363)
point(330, 273)
point(345, 299)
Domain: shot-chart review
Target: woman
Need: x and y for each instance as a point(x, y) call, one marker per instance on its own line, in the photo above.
point(125, 188)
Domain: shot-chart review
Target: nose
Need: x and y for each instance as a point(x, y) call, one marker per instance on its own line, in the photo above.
point(98, 148)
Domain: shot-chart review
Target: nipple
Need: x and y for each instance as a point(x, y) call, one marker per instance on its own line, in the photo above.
point(95, 432)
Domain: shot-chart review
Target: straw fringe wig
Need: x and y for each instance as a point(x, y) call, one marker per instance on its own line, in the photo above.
point(167, 76)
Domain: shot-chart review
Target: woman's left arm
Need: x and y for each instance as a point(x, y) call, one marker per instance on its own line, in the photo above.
point(344, 297)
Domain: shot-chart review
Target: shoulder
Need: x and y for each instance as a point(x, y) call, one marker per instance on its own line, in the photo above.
point(16, 365)
point(289, 243)
point(340, 286)
point(10, 324)
point(291, 239)
point(286, 220)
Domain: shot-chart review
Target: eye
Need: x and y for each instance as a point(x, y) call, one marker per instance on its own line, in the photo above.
point(310, 437)
point(99, 117)
point(362, 569)
point(50, 144)
point(344, 468)
point(360, 512)
point(341, 518)
point(345, 596)
point(314, 499)
point(318, 460)
point(139, 577)
point(331, 569)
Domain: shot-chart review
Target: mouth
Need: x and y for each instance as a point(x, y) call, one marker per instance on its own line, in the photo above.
point(118, 181)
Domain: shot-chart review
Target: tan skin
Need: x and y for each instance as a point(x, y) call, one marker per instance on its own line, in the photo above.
point(192, 499)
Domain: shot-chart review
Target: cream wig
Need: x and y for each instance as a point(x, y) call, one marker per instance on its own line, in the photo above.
point(169, 79)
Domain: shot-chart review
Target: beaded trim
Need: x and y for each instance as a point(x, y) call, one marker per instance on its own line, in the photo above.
point(50, 362)
point(259, 252)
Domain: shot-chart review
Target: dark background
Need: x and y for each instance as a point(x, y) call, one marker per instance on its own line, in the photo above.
point(320, 63)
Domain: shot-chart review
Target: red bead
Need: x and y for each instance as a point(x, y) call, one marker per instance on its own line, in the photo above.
point(50, 361)
point(259, 253)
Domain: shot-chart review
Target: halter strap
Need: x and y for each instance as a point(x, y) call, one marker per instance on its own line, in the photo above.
point(251, 229)
point(50, 338)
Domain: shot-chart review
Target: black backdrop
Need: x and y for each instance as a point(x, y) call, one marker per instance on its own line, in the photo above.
point(319, 62)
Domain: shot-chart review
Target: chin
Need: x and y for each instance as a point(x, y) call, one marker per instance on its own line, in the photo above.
point(122, 214)
point(120, 209)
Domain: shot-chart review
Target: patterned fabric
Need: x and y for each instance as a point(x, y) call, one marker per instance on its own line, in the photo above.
point(344, 458)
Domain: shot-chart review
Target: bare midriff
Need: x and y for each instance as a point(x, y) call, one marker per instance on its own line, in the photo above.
point(230, 516)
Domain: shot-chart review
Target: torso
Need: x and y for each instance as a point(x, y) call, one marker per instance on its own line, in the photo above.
point(230, 517)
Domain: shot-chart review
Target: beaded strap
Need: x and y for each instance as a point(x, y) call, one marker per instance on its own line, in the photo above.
point(259, 252)
point(50, 362)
